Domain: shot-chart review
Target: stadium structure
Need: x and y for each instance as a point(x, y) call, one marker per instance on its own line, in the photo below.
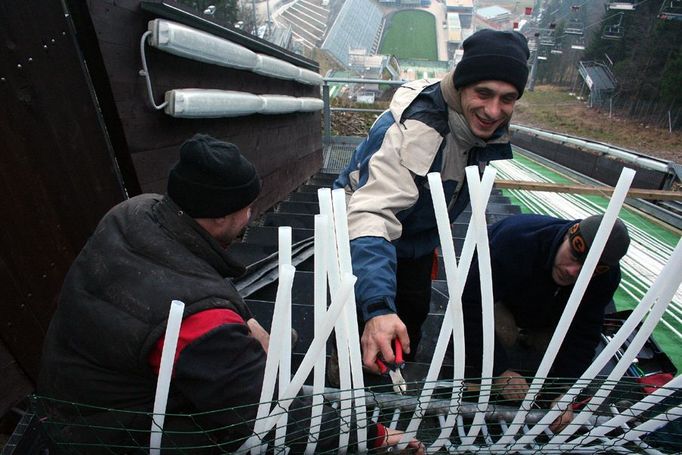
point(352, 32)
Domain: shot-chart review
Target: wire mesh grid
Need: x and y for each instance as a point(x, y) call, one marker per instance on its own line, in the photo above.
point(621, 424)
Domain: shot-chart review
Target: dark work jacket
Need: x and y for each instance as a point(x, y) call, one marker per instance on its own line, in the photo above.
point(113, 309)
point(522, 252)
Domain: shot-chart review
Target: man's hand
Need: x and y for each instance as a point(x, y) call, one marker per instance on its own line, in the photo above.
point(259, 333)
point(564, 418)
point(393, 438)
point(511, 385)
point(377, 337)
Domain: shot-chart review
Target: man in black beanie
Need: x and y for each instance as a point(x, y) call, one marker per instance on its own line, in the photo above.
point(103, 347)
point(431, 126)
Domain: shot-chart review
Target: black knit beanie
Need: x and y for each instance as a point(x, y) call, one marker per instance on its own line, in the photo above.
point(490, 55)
point(581, 236)
point(212, 179)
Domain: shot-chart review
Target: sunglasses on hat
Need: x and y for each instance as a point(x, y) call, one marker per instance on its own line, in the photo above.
point(579, 249)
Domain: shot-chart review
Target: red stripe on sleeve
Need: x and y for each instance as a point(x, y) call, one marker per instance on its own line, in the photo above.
point(192, 328)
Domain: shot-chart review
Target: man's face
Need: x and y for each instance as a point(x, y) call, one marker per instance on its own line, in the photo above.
point(487, 105)
point(566, 265)
point(232, 226)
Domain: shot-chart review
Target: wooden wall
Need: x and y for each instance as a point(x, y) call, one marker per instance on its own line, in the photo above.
point(56, 174)
point(78, 135)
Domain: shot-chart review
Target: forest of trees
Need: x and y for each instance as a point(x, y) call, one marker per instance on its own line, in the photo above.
point(643, 51)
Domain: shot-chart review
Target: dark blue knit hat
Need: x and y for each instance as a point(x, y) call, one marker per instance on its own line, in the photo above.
point(212, 178)
point(490, 55)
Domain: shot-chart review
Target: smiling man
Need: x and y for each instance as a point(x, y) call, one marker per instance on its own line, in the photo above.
point(535, 262)
point(431, 126)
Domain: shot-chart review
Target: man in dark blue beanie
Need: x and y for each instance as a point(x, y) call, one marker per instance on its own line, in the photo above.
point(103, 347)
point(431, 126)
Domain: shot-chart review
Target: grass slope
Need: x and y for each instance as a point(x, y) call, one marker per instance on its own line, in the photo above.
point(411, 34)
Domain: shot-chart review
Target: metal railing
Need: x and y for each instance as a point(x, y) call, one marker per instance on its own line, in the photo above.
point(328, 110)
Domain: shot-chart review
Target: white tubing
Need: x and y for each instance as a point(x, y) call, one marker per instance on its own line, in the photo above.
point(286, 280)
point(170, 343)
point(320, 306)
point(617, 199)
point(353, 339)
point(284, 237)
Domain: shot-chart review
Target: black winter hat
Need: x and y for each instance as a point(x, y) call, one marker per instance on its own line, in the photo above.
point(490, 55)
point(581, 235)
point(212, 178)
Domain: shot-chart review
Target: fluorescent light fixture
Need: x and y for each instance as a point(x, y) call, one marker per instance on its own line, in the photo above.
point(193, 44)
point(577, 47)
point(279, 104)
point(200, 103)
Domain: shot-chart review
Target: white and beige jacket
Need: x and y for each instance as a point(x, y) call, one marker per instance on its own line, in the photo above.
point(390, 211)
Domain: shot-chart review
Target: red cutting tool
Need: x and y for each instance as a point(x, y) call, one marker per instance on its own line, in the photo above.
point(393, 370)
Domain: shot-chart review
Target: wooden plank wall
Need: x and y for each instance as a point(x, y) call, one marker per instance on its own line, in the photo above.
point(78, 136)
point(286, 149)
point(56, 174)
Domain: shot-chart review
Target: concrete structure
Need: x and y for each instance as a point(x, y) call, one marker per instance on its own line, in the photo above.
point(494, 17)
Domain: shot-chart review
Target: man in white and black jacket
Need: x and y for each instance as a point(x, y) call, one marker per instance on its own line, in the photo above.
point(431, 126)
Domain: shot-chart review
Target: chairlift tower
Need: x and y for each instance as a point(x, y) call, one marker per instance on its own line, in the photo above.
point(576, 25)
point(614, 31)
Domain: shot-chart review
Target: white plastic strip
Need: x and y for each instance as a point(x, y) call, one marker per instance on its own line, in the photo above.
point(574, 300)
point(285, 282)
point(656, 292)
point(193, 44)
point(320, 308)
point(324, 196)
point(631, 413)
point(479, 205)
point(487, 301)
point(212, 103)
point(353, 339)
point(284, 237)
point(662, 293)
point(316, 348)
point(456, 277)
point(170, 342)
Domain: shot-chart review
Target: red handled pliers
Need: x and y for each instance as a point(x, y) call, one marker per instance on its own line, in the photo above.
point(393, 370)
